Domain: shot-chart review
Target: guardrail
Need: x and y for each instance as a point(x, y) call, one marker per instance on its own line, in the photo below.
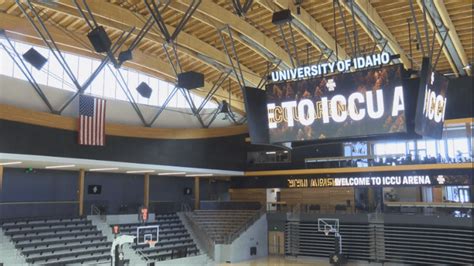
point(202, 238)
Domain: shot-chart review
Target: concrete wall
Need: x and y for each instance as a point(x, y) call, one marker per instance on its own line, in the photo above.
point(239, 250)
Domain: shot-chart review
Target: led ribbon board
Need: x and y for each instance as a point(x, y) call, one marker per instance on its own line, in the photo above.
point(392, 179)
point(357, 104)
point(431, 105)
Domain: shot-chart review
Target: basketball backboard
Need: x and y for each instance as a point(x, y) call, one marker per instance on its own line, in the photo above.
point(148, 234)
point(328, 225)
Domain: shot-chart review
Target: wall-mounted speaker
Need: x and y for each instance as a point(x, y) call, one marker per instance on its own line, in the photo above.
point(190, 80)
point(34, 58)
point(99, 39)
point(144, 90)
point(281, 17)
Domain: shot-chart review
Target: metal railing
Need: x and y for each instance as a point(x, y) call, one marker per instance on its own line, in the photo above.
point(142, 255)
point(202, 238)
point(95, 210)
point(232, 236)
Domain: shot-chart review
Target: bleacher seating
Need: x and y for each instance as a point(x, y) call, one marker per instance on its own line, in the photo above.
point(54, 241)
point(174, 240)
point(221, 224)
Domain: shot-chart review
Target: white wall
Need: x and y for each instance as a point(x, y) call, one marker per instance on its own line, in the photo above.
point(239, 250)
point(20, 93)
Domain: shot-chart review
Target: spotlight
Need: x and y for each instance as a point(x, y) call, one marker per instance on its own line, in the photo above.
point(144, 90)
point(34, 58)
point(125, 56)
point(224, 108)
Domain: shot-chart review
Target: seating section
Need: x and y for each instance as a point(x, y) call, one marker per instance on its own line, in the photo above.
point(58, 241)
point(220, 225)
point(174, 240)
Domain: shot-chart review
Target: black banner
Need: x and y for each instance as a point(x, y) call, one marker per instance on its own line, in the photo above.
point(359, 104)
point(431, 105)
point(378, 180)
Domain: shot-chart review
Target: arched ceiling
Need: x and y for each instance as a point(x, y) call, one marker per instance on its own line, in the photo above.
point(257, 41)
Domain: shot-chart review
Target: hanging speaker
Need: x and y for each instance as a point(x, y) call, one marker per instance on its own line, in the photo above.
point(144, 90)
point(190, 80)
point(281, 17)
point(99, 39)
point(34, 58)
point(125, 56)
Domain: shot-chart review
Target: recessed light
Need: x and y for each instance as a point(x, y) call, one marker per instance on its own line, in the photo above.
point(10, 163)
point(140, 171)
point(60, 166)
point(103, 169)
point(173, 173)
point(270, 152)
point(197, 175)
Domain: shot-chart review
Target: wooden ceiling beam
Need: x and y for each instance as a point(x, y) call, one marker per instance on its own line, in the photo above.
point(439, 38)
point(309, 23)
point(119, 18)
point(443, 12)
point(19, 29)
point(219, 16)
point(368, 10)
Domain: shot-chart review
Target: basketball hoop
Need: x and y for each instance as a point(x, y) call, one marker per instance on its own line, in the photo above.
point(151, 243)
point(326, 232)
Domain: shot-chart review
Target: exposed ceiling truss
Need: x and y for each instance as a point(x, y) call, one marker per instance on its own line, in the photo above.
point(322, 31)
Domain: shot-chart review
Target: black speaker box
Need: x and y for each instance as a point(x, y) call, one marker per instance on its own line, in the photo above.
point(190, 80)
point(34, 58)
point(257, 120)
point(144, 90)
point(281, 17)
point(99, 39)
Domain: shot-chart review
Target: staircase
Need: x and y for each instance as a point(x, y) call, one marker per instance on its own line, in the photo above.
point(223, 226)
point(9, 255)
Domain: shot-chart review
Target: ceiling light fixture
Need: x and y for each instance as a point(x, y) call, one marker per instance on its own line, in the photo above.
point(197, 175)
point(10, 163)
point(140, 171)
point(60, 166)
point(103, 169)
point(173, 173)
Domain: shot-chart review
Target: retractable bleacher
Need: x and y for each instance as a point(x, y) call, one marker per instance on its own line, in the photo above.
point(174, 240)
point(58, 241)
point(221, 224)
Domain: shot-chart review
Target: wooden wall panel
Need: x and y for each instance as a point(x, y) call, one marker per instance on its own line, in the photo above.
point(438, 194)
point(327, 198)
point(21, 115)
point(249, 194)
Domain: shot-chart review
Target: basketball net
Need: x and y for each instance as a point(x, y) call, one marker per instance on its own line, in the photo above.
point(151, 243)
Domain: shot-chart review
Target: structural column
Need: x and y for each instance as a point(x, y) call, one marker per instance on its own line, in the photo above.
point(197, 200)
point(1, 177)
point(80, 191)
point(146, 191)
point(469, 138)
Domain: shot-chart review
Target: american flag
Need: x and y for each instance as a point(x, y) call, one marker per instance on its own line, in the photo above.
point(91, 121)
